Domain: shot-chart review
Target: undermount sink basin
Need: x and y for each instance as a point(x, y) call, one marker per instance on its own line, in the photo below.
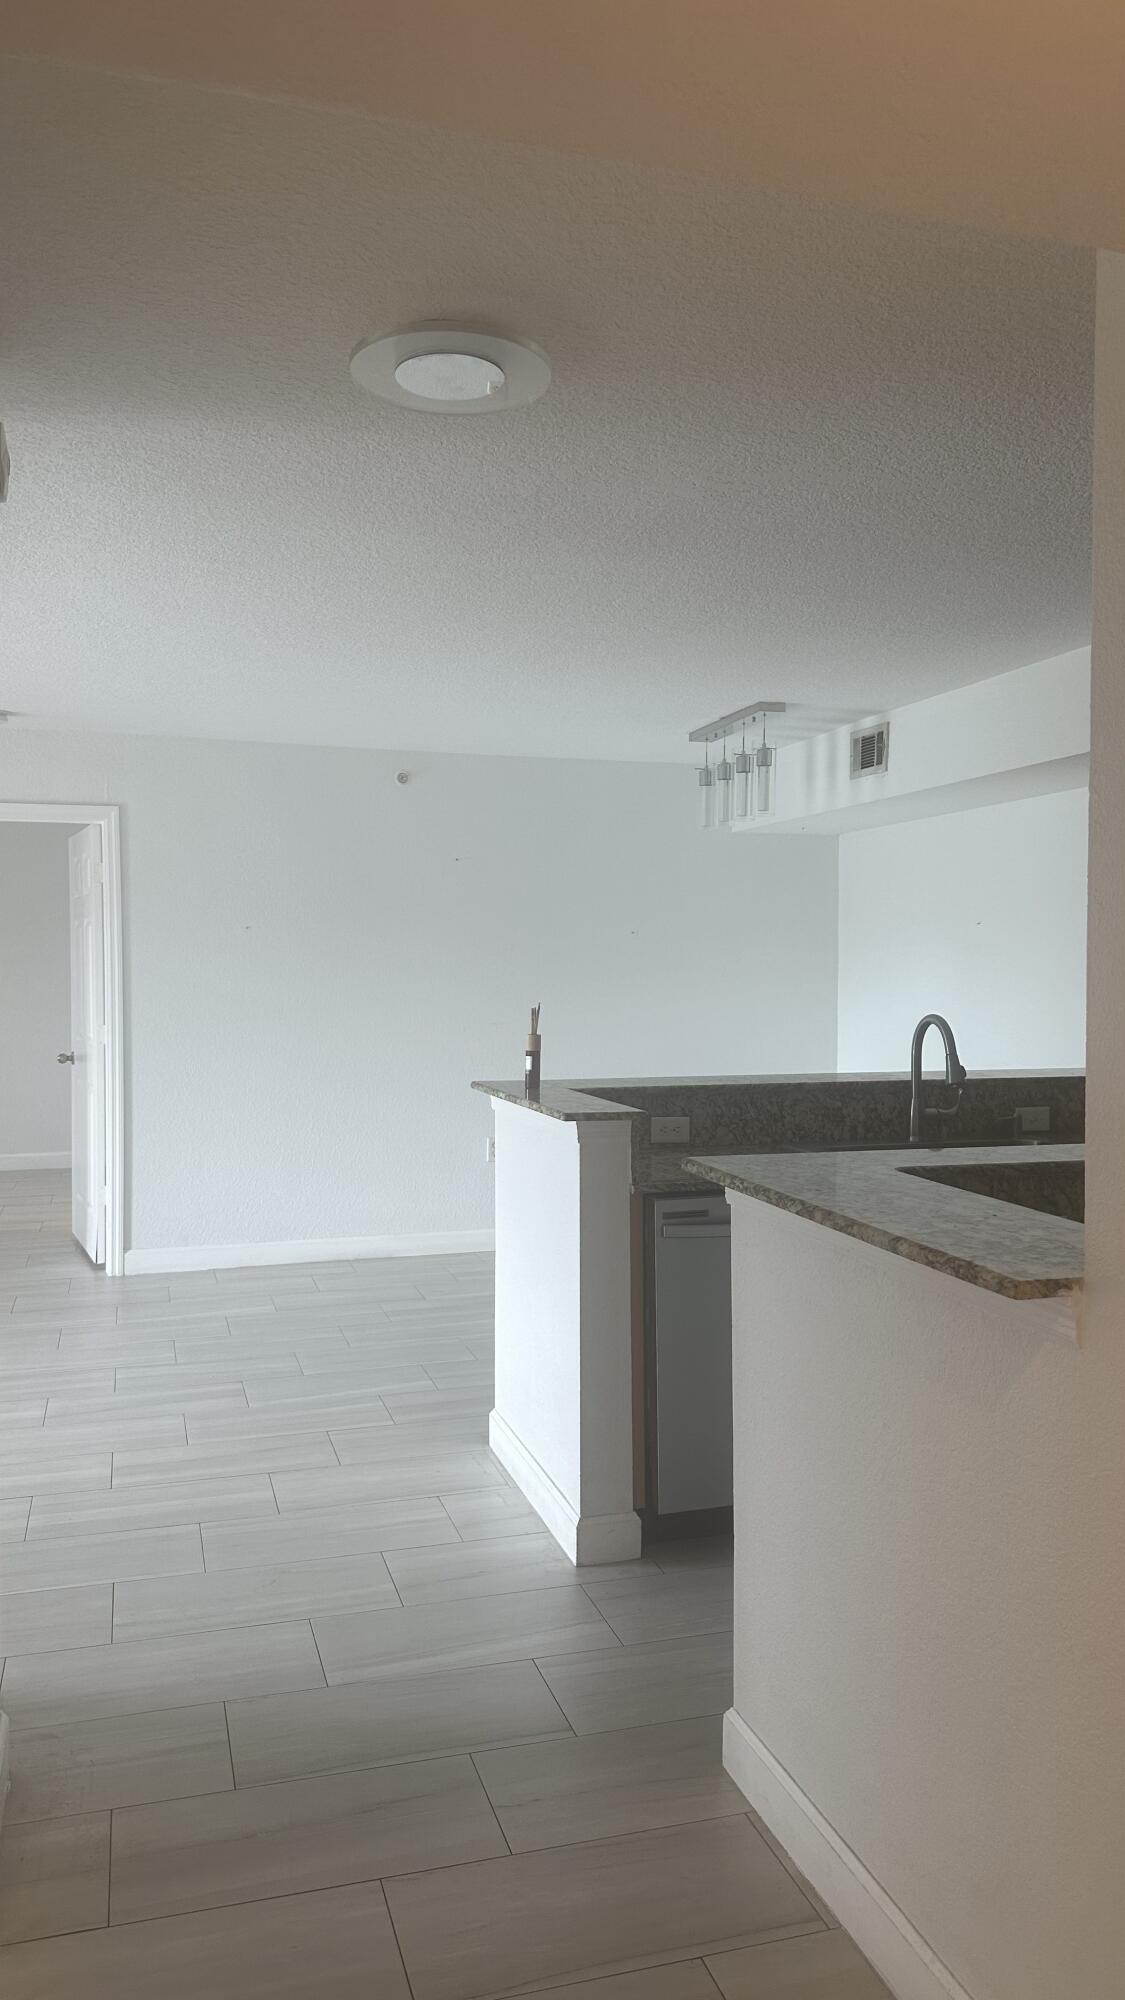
point(1055, 1187)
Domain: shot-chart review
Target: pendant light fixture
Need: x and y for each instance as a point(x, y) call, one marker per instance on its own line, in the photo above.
point(736, 792)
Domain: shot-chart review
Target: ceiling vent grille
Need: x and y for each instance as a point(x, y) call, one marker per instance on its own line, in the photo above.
point(870, 750)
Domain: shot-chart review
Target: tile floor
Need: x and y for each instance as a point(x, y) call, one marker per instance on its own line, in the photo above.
point(303, 1699)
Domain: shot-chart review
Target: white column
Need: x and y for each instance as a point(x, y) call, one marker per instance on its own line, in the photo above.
point(562, 1422)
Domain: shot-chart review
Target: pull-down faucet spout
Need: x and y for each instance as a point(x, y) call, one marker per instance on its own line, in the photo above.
point(954, 1075)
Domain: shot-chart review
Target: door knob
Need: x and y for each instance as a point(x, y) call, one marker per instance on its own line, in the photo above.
point(66, 1058)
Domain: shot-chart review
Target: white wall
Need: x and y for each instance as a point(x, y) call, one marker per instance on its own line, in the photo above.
point(977, 915)
point(34, 995)
point(318, 961)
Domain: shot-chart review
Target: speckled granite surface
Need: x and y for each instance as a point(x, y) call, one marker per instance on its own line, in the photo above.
point(888, 1199)
point(765, 1114)
point(567, 1101)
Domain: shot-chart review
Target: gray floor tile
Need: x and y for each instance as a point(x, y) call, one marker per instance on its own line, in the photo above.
point(491, 1514)
point(183, 1375)
point(42, 1689)
point(13, 1519)
point(603, 1906)
point(828, 1967)
point(125, 1348)
point(75, 1471)
point(210, 1350)
point(361, 1527)
point(54, 1378)
point(178, 1504)
point(637, 1684)
point(223, 1461)
point(156, 1607)
point(120, 1760)
point(54, 1877)
point(46, 1621)
point(338, 1945)
point(49, 1563)
point(687, 1980)
point(480, 1569)
point(461, 1374)
point(141, 1405)
point(409, 1405)
point(621, 1781)
point(425, 1638)
point(658, 1606)
point(273, 1840)
point(276, 1420)
point(266, 1391)
point(132, 1428)
point(388, 1345)
point(383, 1721)
point(425, 1473)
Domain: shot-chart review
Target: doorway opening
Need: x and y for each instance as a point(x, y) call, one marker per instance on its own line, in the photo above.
point(92, 1048)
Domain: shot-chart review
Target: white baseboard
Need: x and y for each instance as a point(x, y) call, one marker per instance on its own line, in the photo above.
point(882, 1931)
point(17, 1163)
point(586, 1538)
point(317, 1250)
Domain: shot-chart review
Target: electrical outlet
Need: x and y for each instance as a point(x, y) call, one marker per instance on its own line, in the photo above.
point(490, 1148)
point(1034, 1117)
point(670, 1131)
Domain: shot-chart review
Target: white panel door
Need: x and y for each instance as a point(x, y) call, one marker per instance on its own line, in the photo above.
point(87, 1041)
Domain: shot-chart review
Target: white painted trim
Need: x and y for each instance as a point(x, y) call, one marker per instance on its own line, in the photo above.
point(15, 1163)
point(586, 1539)
point(109, 819)
point(314, 1250)
point(882, 1931)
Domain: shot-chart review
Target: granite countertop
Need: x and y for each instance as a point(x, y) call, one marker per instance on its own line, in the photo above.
point(559, 1100)
point(665, 1173)
point(882, 1198)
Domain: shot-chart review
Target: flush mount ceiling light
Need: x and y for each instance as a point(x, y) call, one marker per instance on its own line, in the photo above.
point(455, 370)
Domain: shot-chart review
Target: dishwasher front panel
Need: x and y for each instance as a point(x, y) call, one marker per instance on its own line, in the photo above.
point(691, 1355)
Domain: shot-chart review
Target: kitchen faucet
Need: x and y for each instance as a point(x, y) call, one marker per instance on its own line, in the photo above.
point(954, 1075)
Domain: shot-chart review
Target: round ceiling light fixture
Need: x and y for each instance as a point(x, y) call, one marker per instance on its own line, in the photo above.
point(457, 371)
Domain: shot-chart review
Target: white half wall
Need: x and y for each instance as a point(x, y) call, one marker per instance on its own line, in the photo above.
point(319, 960)
point(980, 916)
point(34, 996)
point(563, 1419)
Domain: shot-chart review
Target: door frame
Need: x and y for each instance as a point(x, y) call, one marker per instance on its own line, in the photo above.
point(109, 819)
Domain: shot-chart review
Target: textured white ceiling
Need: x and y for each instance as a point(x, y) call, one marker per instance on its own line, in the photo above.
point(788, 450)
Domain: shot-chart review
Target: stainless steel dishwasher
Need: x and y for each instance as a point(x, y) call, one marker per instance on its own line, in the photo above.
point(688, 1390)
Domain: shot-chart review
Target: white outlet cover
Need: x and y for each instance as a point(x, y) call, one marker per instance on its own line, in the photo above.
point(670, 1131)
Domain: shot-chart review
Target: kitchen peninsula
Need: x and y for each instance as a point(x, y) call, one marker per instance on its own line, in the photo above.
point(578, 1169)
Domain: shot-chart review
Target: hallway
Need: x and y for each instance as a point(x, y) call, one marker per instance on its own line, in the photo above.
point(302, 1697)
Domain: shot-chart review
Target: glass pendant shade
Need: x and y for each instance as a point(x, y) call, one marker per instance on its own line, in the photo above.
point(724, 784)
point(743, 806)
point(706, 797)
point(765, 789)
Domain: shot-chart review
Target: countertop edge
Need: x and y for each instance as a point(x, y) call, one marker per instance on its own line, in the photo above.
point(559, 1100)
point(968, 1270)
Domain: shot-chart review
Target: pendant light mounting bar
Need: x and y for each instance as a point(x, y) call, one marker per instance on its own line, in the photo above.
point(713, 732)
